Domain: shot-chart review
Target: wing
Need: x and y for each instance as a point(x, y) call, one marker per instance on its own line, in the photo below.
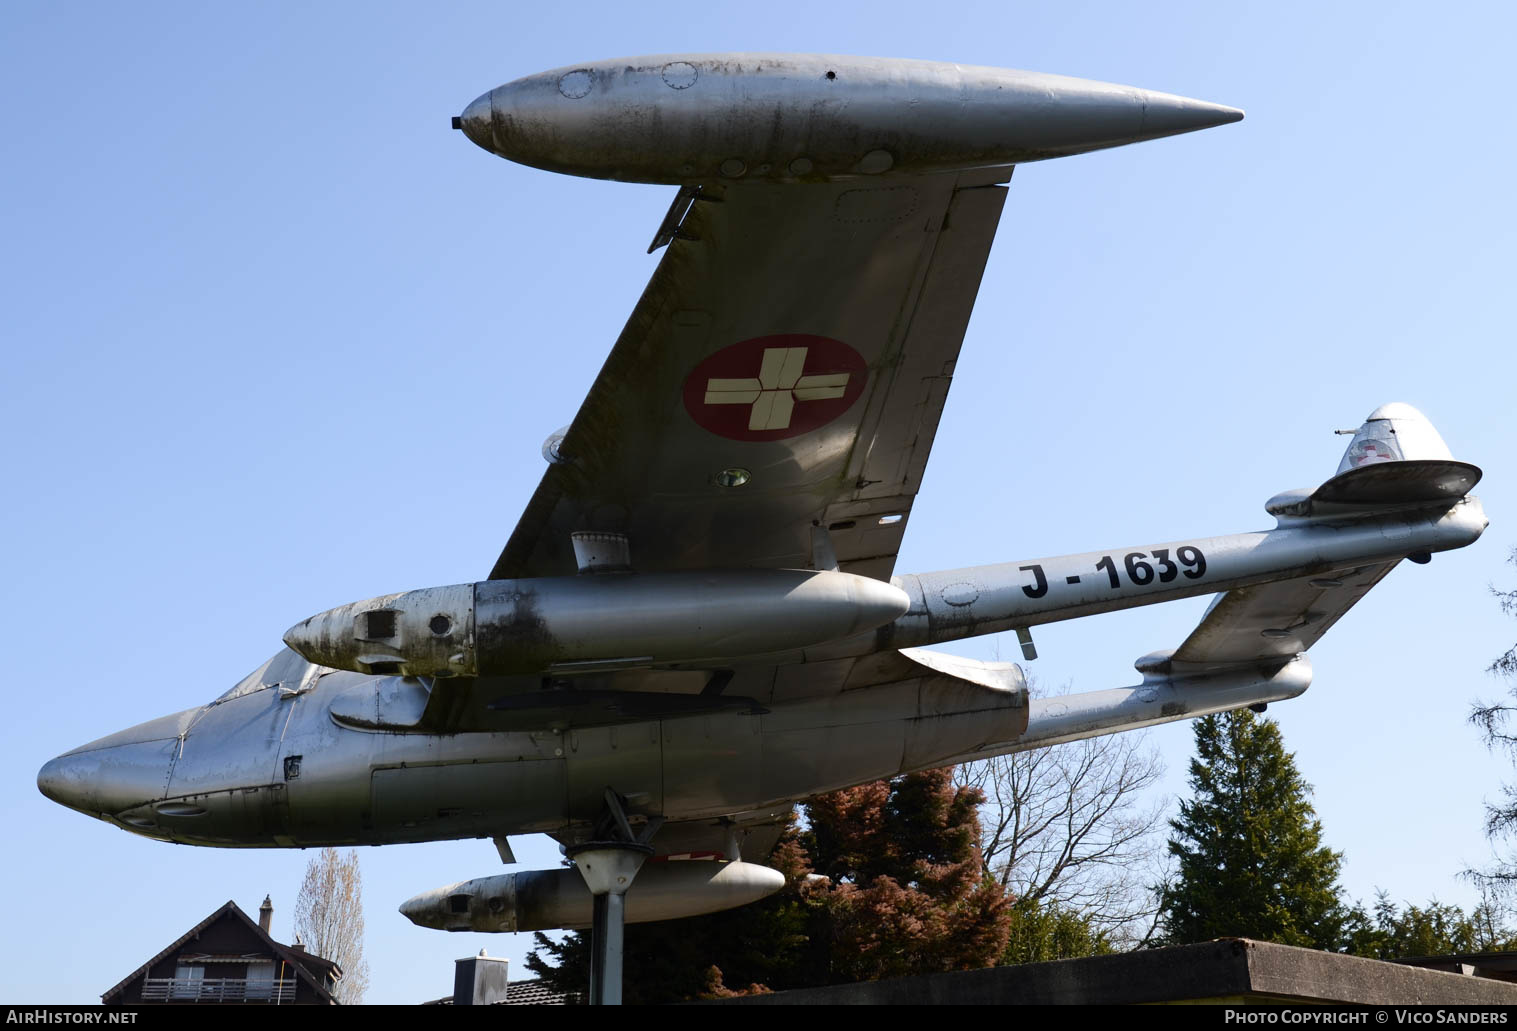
point(784, 370)
point(1277, 620)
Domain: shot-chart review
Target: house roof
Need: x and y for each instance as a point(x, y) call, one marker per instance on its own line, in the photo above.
point(307, 965)
point(533, 993)
point(519, 993)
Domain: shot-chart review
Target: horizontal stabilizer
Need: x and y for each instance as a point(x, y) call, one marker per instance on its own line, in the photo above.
point(1401, 483)
point(1379, 488)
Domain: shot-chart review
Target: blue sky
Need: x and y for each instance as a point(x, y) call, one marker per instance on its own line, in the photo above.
point(242, 244)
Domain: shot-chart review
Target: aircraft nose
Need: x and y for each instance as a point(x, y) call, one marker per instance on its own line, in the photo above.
point(478, 121)
point(56, 780)
point(107, 780)
point(117, 772)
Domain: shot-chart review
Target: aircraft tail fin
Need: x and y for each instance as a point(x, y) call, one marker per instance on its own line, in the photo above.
point(1396, 460)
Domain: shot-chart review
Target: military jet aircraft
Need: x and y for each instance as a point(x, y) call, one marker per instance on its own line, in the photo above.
point(697, 621)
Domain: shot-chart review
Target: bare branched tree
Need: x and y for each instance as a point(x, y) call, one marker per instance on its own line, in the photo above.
point(1067, 827)
point(1494, 723)
point(329, 919)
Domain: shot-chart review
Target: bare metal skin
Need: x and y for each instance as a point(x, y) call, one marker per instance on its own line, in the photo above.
point(808, 117)
point(614, 620)
point(302, 755)
point(699, 610)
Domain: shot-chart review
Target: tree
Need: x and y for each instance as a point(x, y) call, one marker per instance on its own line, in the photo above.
point(1251, 862)
point(1432, 930)
point(884, 880)
point(1492, 921)
point(907, 894)
point(1066, 832)
point(1493, 721)
point(329, 919)
point(1040, 933)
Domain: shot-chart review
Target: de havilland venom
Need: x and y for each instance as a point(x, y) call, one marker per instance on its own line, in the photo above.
point(697, 620)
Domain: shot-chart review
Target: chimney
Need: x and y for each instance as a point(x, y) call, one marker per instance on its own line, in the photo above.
point(266, 915)
point(480, 980)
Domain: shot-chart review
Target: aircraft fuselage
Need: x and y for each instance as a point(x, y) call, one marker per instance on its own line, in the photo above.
point(300, 754)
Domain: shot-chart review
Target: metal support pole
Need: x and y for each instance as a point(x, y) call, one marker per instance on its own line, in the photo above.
point(608, 868)
point(606, 941)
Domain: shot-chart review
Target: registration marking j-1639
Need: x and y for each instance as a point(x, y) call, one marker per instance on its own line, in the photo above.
point(1188, 561)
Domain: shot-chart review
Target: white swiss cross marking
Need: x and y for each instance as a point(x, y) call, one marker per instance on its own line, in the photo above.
point(778, 387)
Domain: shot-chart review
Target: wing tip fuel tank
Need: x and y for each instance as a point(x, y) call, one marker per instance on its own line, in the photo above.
point(782, 117)
point(538, 900)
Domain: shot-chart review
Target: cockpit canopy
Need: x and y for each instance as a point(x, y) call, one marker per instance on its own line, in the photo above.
point(286, 670)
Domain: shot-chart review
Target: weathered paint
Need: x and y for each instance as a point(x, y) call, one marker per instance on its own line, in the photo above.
point(536, 900)
point(596, 621)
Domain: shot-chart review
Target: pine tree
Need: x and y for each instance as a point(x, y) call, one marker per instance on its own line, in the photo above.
point(1249, 845)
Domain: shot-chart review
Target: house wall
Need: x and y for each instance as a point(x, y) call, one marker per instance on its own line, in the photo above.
point(228, 936)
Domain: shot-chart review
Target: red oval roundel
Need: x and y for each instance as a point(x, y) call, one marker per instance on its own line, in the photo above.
point(774, 387)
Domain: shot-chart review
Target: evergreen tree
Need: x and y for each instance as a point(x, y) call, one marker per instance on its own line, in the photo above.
point(1249, 846)
point(1431, 930)
point(1044, 932)
point(908, 892)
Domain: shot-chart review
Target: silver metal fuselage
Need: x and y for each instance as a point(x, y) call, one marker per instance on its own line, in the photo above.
point(275, 767)
point(303, 755)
